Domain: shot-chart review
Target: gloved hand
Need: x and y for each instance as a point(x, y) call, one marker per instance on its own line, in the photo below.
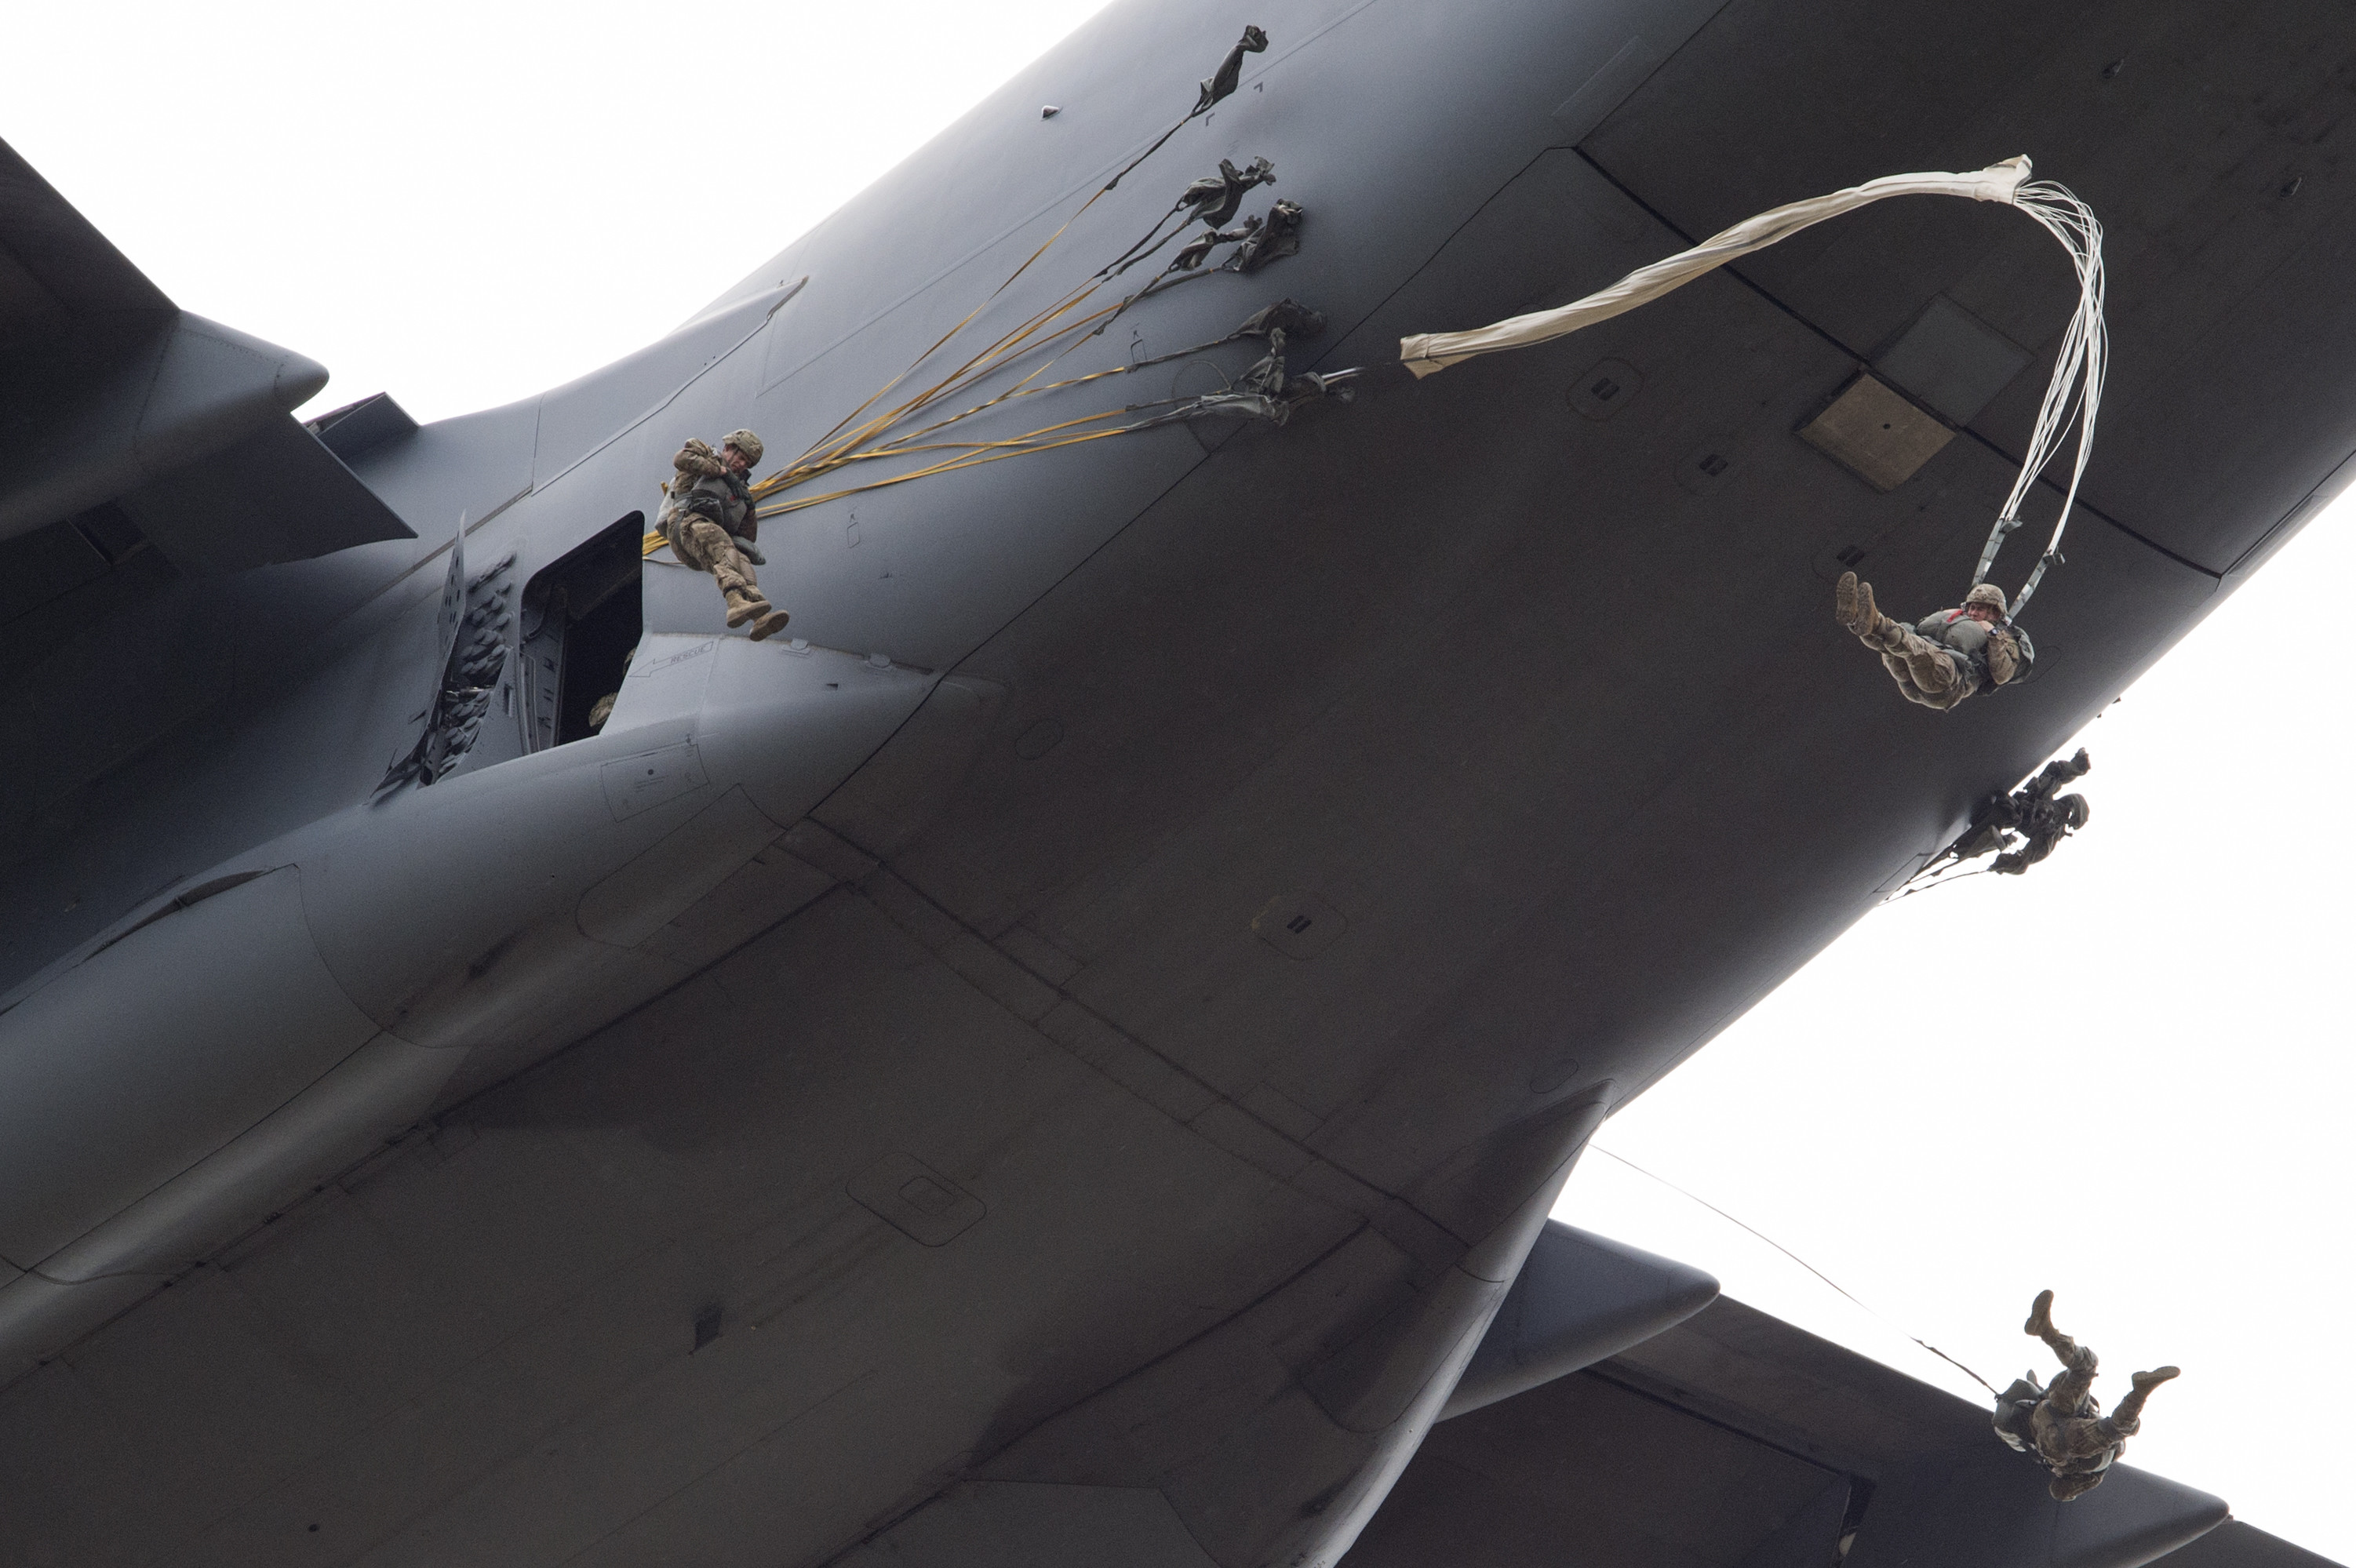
point(746, 548)
point(2003, 657)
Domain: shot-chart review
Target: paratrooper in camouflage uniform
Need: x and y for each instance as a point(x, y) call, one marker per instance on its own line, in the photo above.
point(2061, 1424)
point(1944, 657)
point(708, 520)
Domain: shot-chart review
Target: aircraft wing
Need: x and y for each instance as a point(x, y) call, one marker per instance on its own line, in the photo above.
point(1619, 1415)
point(2234, 1544)
point(1734, 1440)
point(125, 421)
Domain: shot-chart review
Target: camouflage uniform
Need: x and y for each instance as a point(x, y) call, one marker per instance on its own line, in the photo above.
point(2062, 1425)
point(1942, 658)
point(708, 509)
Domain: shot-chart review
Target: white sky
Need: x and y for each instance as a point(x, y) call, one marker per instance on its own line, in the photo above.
point(2138, 1103)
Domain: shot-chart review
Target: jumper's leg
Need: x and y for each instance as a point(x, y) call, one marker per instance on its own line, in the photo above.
point(2041, 1325)
point(2129, 1414)
point(1933, 667)
point(707, 546)
point(2079, 1362)
point(1854, 608)
point(1845, 603)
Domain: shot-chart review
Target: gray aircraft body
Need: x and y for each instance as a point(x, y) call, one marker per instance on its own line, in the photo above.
point(1061, 1058)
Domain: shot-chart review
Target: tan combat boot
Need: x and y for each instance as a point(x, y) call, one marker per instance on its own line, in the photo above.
point(1868, 613)
point(1845, 605)
point(770, 623)
point(743, 604)
point(1854, 608)
point(2040, 1315)
point(2129, 1414)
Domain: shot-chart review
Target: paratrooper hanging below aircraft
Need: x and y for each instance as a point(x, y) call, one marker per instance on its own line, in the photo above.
point(2021, 828)
point(1947, 655)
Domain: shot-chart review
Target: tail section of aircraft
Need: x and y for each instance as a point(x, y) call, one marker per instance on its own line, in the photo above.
point(116, 397)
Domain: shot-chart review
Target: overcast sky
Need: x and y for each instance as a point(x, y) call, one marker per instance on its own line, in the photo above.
point(465, 203)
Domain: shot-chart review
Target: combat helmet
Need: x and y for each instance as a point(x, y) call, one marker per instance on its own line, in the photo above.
point(745, 441)
point(1987, 594)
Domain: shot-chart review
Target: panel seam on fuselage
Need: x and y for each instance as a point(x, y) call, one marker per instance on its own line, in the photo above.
point(1630, 1380)
point(1372, 1215)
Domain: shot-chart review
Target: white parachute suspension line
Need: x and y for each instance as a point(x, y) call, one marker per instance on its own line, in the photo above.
point(2074, 394)
point(2072, 398)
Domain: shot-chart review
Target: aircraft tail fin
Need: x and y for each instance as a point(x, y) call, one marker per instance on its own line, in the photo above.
point(112, 394)
point(55, 267)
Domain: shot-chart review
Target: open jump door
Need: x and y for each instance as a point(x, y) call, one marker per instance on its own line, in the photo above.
point(582, 616)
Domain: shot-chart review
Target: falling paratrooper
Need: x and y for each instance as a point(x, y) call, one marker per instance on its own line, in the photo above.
point(2060, 1424)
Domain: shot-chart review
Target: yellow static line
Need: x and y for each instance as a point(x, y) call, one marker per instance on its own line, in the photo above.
point(989, 358)
point(949, 467)
point(840, 444)
point(845, 451)
point(986, 360)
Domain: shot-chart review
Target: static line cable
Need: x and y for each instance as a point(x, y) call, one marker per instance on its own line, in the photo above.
point(1023, 388)
point(2072, 398)
point(1909, 890)
point(1266, 392)
point(837, 452)
point(1015, 447)
point(831, 451)
point(1214, 89)
point(1803, 1263)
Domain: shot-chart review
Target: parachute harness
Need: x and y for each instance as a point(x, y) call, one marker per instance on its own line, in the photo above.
point(2071, 396)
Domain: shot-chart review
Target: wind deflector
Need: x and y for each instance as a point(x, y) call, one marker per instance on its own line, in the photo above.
point(362, 427)
point(110, 392)
point(277, 496)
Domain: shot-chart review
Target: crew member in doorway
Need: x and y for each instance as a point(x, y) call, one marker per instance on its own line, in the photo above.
point(1944, 658)
point(708, 521)
point(603, 708)
point(2061, 1424)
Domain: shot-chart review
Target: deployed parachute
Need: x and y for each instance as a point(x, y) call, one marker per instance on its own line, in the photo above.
point(2071, 396)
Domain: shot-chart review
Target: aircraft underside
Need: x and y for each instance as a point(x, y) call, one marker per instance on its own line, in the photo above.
point(1061, 1058)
